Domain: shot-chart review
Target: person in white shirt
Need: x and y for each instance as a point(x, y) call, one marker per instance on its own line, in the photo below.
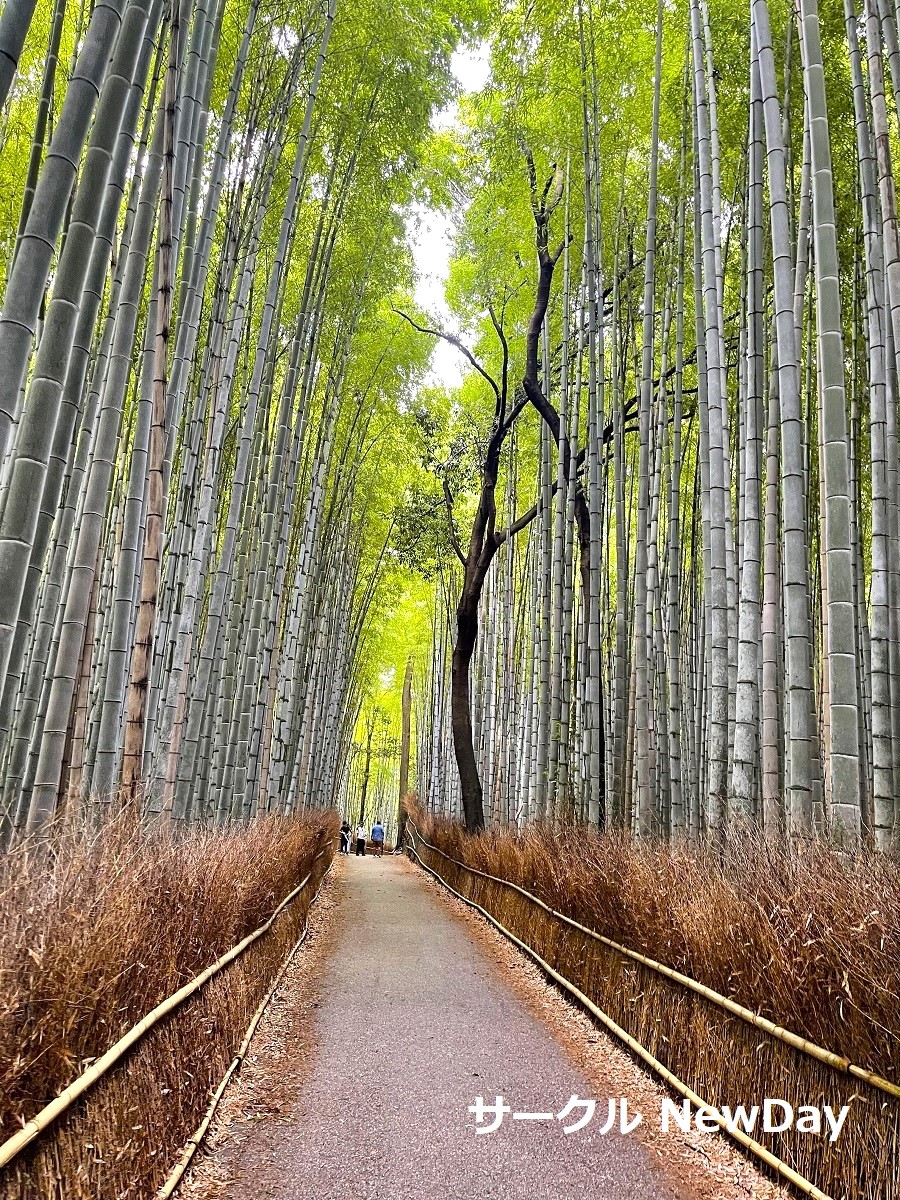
point(361, 840)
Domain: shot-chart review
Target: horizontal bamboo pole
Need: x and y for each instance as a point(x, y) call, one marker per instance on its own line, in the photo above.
point(193, 1144)
point(49, 1113)
point(837, 1061)
point(782, 1168)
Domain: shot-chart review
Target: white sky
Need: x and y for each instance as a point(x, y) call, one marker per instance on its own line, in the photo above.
point(431, 233)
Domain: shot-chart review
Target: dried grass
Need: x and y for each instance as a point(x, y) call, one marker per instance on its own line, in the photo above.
point(806, 937)
point(95, 930)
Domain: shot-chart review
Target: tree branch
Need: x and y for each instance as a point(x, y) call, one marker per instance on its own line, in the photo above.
point(454, 341)
point(518, 526)
point(562, 245)
point(558, 182)
point(454, 540)
point(504, 376)
point(532, 178)
point(526, 518)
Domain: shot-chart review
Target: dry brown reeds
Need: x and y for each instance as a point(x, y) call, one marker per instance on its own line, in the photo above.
point(804, 937)
point(95, 930)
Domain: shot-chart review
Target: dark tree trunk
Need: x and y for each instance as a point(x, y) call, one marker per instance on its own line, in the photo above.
point(405, 731)
point(461, 709)
point(531, 385)
point(485, 540)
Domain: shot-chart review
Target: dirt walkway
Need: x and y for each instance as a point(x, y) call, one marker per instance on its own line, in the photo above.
point(406, 976)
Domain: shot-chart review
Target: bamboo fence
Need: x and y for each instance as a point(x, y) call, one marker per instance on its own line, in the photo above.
point(705, 1046)
point(112, 1131)
point(173, 1180)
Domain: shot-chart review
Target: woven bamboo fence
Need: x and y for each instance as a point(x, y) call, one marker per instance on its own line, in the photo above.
point(120, 1135)
point(703, 1044)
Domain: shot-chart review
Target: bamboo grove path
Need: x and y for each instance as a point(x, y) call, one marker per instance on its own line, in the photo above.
point(407, 976)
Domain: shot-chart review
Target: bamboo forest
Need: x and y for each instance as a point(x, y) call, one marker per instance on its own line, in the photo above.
point(469, 430)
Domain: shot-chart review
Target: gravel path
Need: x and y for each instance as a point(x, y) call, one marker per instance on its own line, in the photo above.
point(394, 1123)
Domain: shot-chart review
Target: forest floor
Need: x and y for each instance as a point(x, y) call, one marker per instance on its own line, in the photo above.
point(401, 1009)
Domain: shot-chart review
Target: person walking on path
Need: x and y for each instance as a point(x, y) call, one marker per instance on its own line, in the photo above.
point(378, 837)
point(345, 837)
point(361, 839)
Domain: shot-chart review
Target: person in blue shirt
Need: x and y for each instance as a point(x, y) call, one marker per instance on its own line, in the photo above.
point(378, 837)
